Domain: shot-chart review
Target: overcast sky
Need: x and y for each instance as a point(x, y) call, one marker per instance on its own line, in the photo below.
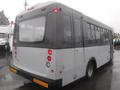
point(105, 11)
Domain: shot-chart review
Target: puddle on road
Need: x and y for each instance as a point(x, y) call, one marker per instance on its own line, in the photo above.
point(8, 81)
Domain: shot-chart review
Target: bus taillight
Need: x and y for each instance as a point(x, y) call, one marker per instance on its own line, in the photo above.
point(49, 58)
point(56, 10)
point(50, 52)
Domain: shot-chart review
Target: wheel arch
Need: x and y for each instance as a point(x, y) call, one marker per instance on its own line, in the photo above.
point(93, 60)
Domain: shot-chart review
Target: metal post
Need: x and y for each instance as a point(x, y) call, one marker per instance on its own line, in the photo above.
point(25, 5)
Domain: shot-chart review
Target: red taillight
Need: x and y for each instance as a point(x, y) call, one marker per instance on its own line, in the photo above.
point(56, 10)
point(49, 58)
point(50, 52)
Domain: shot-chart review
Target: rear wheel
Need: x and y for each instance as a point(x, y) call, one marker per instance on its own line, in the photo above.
point(90, 69)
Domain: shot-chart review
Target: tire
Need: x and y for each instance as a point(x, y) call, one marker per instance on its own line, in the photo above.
point(111, 61)
point(90, 70)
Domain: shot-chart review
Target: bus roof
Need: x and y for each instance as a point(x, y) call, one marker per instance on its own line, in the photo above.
point(67, 10)
point(35, 7)
point(93, 21)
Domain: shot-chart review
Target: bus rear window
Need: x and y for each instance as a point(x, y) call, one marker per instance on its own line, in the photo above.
point(32, 30)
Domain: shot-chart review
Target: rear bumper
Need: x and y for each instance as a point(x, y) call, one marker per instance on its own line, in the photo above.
point(42, 81)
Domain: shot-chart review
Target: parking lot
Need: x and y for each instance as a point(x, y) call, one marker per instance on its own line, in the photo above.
point(105, 78)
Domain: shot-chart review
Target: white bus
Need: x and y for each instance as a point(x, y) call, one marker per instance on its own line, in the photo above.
point(54, 45)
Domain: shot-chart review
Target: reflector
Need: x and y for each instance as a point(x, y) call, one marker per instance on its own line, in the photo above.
point(44, 84)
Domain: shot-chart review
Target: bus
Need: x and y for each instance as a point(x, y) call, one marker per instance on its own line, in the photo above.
point(55, 45)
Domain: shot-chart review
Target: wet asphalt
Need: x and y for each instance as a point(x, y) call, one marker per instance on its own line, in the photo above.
point(105, 78)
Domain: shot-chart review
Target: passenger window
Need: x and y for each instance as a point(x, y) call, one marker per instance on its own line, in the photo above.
point(97, 29)
point(68, 39)
point(110, 37)
point(92, 29)
point(102, 36)
point(106, 37)
point(87, 34)
point(90, 34)
point(95, 35)
point(78, 33)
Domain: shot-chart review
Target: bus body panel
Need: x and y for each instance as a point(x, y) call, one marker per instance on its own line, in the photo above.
point(71, 61)
point(67, 58)
point(100, 53)
point(79, 63)
point(34, 60)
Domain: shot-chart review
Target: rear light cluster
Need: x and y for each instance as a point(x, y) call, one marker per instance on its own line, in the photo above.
point(49, 57)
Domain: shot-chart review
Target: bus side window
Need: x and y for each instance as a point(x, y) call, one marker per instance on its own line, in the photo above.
point(107, 36)
point(102, 36)
point(68, 34)
point(87, 34)
point(78, 33)
point(90, 35)
point(110, 37)
point(93, 35)
point(97, 34)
